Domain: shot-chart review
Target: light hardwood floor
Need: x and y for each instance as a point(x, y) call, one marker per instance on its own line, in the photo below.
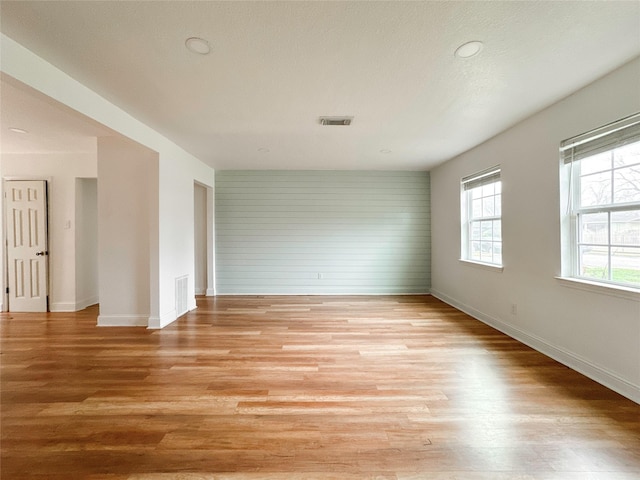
point(301, 388)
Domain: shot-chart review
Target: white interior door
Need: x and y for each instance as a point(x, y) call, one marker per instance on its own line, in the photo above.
point(27, 250)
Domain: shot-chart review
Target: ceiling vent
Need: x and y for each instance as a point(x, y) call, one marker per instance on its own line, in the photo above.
point(344, 121)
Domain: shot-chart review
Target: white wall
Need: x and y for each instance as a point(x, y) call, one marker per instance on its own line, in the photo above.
point(125, 204)
point(176, 231)
point(61, 170)
point(171, 212)
point(362, 232)
point(200, 238)
point(86, 242)
point(591, 331)
point(3, 296)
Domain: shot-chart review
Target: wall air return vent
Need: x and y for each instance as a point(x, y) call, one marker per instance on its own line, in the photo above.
point(342, 121)
point(182, 286)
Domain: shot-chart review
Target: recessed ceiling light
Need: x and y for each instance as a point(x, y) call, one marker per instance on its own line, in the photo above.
point(198, 45)
point(469, 49)
point(263, 150)
point(385, 150)
point(17, 130)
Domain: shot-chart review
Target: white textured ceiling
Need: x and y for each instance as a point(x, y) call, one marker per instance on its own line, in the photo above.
point(51, 127)
point(275, 67)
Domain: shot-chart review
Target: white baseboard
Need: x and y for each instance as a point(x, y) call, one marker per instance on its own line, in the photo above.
point(162, 321)
point(72, 306)
point(594, 372)
point(123, 320)
point(192, 304)
point(200, 291)
point(210, 292)
point(320, 294)
point(62, 307)
point(168, 318)
point(154, 323)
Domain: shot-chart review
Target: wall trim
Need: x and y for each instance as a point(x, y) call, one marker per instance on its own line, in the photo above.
point(62, 307)
point(321, 294)
point(595, 372)
point(123, 320)
point(601, 288)
point(156, 323)
point(72, 306)
point(210, 292)
point(199, 291)
point(161, 321)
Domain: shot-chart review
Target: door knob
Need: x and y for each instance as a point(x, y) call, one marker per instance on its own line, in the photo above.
point(41, 253)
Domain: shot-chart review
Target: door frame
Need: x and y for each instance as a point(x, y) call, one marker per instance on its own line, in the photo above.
point(5, 257)
point(209, 226)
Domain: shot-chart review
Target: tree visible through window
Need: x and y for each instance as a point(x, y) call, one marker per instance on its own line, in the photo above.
point(604, 172)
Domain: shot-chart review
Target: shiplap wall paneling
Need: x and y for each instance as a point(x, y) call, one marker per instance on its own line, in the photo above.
point(322, 232)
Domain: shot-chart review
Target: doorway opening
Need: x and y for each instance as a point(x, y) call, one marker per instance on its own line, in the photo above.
point(86, 243)
point(203, 240)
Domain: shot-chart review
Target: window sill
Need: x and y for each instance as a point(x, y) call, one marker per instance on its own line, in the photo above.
point(483, 266)
point(627, 293)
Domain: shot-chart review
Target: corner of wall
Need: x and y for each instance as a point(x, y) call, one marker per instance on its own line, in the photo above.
point(162, 321)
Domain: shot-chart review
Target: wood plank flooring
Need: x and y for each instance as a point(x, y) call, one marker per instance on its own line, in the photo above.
point(301, 388)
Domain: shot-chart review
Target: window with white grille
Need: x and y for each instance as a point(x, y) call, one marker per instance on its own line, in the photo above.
point(601, 228)
point(482, 217)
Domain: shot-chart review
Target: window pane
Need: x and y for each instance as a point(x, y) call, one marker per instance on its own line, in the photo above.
point(488, 190)
point(626, 184)
point(594, 262)
point(475, 251)
point(487, 252)
point(475, 231)
point(625, 265)
point(476, 192)
point(487, 206)
point(625, 228)
point(498, 208)
point(476, 208)
point(498, 187)
point(487, 230)
point(497, 253)
point(595, 189)
point(594, 228)
point(627, 155)
point(596, 163)
point(497, 230)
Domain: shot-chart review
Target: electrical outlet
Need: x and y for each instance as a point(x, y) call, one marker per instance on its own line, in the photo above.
point(319, 276)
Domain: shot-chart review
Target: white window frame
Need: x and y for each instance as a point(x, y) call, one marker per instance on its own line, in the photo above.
point(467, 185)
point(572, 151)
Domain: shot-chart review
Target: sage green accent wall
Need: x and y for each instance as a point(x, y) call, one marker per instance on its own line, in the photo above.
point(322, 232)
